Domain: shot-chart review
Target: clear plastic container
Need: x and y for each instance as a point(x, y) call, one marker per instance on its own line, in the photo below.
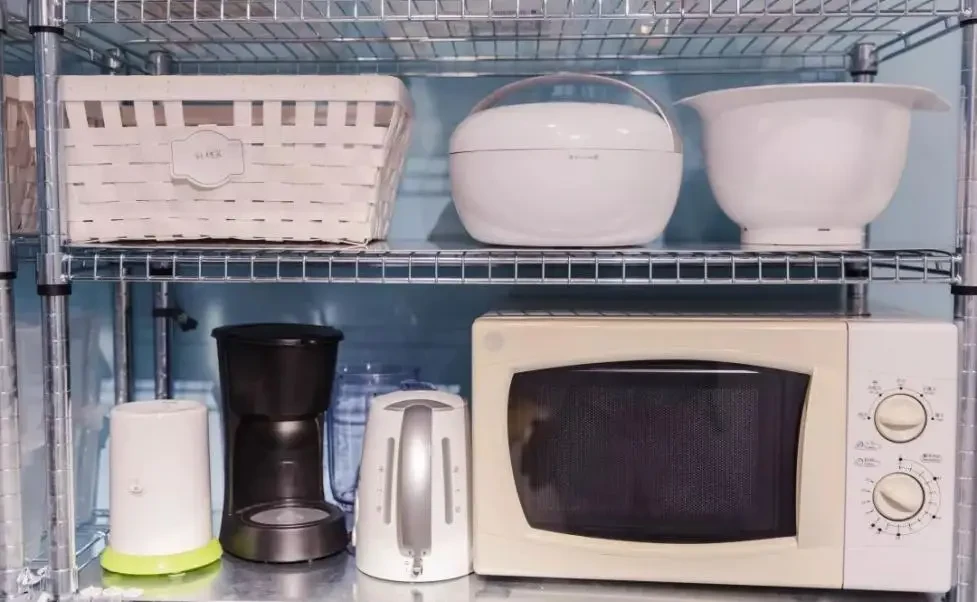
point(354, 388)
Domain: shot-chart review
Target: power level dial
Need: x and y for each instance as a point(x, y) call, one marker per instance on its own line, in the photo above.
point(900, 417)
point(898, 496)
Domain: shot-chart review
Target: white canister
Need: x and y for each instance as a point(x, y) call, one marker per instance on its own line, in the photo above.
point(160, 513)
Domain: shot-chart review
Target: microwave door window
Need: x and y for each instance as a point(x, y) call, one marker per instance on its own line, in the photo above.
point(658, 451)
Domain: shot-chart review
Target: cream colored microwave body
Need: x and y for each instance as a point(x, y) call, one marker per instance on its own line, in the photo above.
point(797, 452)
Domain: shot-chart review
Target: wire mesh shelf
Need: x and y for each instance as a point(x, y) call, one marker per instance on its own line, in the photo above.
point(501, 36)
point(426, 264)
point(81, 46)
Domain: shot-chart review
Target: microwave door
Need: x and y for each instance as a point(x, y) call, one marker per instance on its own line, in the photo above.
point(709, 408)
point(658, 451)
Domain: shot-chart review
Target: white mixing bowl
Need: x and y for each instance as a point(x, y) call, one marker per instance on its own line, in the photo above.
point(807, 164)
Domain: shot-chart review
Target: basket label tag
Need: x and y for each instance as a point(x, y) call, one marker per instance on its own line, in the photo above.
point(206, 158)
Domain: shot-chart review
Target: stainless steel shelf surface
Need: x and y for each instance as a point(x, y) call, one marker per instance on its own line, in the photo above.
point(337, 580)
point(429, 263)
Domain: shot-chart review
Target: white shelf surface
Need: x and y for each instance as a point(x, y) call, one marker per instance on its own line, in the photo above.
point(337, 580)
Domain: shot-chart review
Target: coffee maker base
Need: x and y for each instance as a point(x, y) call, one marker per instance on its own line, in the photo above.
point(292, 531)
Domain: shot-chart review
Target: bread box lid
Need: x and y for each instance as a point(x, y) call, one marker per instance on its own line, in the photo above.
point(563, 125)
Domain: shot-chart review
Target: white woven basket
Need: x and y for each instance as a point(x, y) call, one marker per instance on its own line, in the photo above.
point(266, 158)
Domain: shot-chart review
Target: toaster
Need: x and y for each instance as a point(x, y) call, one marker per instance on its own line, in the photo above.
point(413, 499)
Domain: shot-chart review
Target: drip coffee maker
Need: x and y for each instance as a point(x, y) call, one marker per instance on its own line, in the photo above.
point(276, 382)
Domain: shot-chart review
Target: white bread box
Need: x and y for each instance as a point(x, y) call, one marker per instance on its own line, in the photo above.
point(566, 174)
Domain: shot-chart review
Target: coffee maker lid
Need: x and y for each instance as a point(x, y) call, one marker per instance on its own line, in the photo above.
point(282, 335)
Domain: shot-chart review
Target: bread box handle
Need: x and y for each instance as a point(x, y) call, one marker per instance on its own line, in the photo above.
point(582, 78)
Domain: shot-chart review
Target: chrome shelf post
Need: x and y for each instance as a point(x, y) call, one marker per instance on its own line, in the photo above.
point(122, 341)
point(864, 68)
point(161, 341)
point(12, 561)
point(965, 313)
point(46, 26)
point(160, 63)
point(122, 292)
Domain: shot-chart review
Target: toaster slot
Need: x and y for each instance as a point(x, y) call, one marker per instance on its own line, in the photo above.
point(449, 504)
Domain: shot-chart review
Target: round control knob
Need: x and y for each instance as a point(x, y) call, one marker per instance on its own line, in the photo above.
point(900, 418)
point(898, 496)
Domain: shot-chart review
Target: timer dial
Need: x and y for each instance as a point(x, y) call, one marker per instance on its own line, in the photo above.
point(900, 417)
point(898, 496)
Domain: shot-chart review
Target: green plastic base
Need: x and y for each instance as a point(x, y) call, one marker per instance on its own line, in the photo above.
point(169, 564)
point(180, 586)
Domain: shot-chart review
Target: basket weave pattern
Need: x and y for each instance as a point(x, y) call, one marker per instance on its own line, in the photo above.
point(257, 158)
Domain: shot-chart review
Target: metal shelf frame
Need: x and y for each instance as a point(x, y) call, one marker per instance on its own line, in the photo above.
point(823, 38)
point(503, 37)
point(12, 559)
point(380, 264)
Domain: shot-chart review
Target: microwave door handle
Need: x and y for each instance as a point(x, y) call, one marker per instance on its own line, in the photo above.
point(414, 485)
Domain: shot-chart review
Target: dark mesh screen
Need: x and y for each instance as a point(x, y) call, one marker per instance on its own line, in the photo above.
point(658, 451)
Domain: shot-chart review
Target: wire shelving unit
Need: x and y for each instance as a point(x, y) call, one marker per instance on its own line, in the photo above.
point(811, 39)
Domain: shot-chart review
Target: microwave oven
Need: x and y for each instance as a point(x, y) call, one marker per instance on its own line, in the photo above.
point(760, 451)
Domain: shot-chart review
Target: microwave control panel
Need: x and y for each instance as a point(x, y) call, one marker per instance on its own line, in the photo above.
point(900, 455)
